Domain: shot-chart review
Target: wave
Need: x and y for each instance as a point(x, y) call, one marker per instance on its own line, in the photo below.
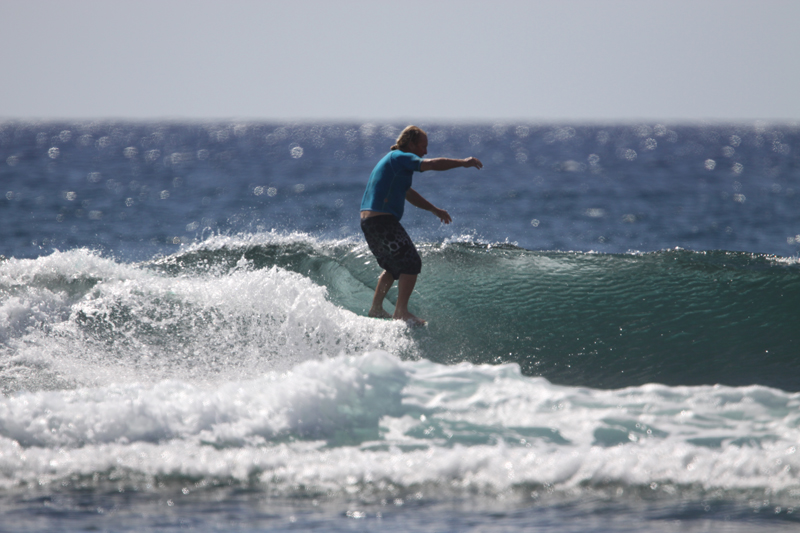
point(267, 301)
point(676, 317)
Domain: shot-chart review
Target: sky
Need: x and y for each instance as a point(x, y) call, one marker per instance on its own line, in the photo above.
point(460, 60)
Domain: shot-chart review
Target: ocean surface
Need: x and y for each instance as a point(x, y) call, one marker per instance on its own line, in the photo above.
point(613, 337)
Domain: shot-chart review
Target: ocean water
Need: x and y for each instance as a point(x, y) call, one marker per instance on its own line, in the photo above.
point(612, 339)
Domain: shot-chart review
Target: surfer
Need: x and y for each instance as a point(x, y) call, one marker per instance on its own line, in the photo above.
point(382, 207)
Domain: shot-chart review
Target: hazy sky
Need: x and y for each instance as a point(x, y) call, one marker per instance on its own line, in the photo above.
point(482, 60)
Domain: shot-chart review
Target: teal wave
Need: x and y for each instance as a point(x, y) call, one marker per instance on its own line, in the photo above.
point(676, 317)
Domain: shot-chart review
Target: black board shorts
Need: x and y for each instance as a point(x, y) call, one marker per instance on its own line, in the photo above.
point(391, 245)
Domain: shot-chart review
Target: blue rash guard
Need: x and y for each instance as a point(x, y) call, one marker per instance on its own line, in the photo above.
point(389, 182)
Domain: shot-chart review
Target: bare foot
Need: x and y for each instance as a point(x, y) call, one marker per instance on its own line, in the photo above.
point(379, 313)
point(410, 319)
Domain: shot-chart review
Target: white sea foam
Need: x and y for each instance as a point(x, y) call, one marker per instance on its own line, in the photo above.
point(374, 424)
point(74, 318)
point(334, 399)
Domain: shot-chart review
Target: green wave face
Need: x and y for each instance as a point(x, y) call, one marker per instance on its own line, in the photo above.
point(599, 320)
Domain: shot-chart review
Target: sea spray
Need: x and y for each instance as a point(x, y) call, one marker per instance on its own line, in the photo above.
point(73, 319)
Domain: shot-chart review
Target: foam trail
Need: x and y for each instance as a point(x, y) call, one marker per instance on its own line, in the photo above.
point(374, 425)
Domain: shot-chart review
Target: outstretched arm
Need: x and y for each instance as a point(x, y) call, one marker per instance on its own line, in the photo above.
point(444, 163)
point(416, 199)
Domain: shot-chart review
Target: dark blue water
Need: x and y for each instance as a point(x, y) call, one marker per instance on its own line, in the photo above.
point(130, 188)
point(611, 346)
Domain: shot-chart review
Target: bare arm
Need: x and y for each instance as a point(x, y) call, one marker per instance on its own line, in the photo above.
point(444, 163)
point(417, 200)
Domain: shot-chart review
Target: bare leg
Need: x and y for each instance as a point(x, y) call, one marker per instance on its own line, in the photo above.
point(405, 288)
point(385, 282)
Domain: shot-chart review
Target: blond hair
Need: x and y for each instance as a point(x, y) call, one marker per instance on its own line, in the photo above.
point(410, 135)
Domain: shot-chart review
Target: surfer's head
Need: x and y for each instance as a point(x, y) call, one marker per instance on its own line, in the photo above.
point(412, 139)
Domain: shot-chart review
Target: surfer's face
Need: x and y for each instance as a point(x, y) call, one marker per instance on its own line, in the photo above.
point(419, 148)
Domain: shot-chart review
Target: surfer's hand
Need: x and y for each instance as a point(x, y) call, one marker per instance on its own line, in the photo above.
point(443, 215)
point(473, 162)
